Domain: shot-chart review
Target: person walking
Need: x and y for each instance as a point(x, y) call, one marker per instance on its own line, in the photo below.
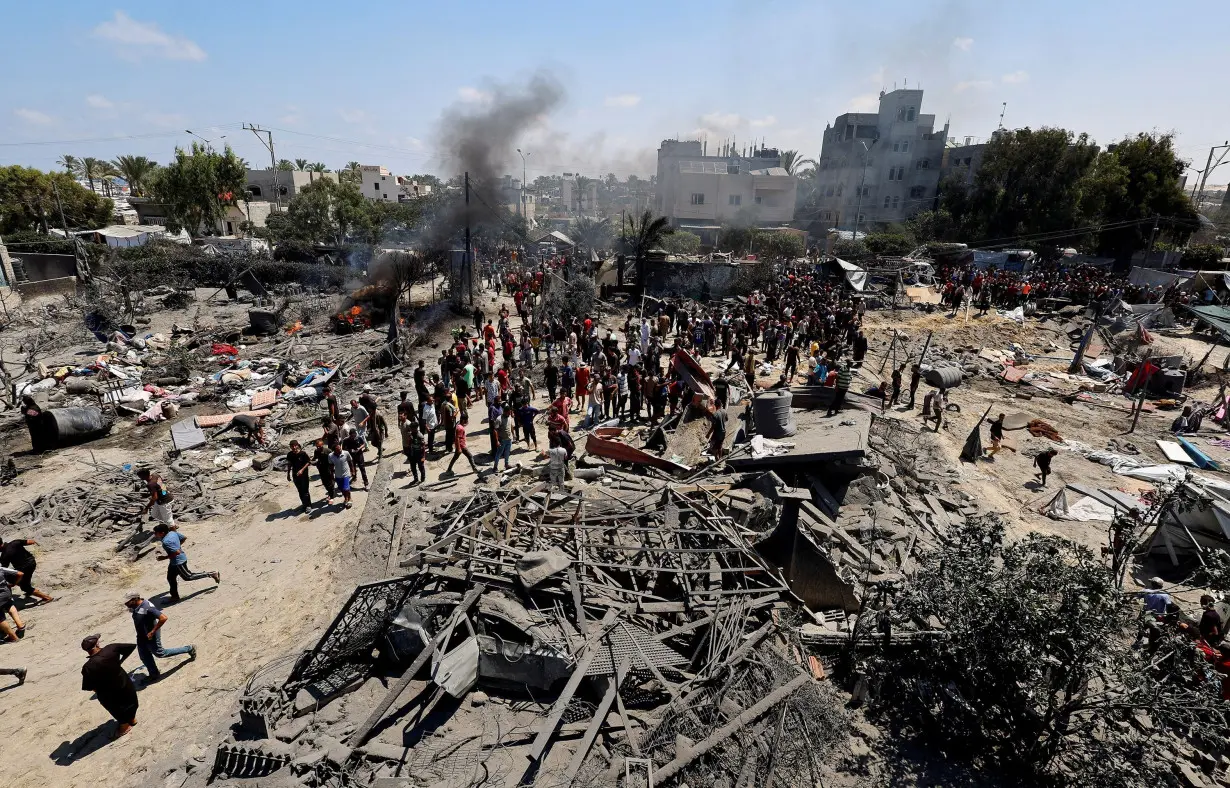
point(342, 465)
point(1043, 463)
point(297, 465)
point(898, 375)
point(177, 569)
point(503, 438)
point(459, 444)
point(997, 435)
point(320, 458)
point(104, 675)
point(415, 449)
point(427, 417)
point(159, 497)
point(915, 379)
point(356, 446)
point(13, 553)
point(148, 622)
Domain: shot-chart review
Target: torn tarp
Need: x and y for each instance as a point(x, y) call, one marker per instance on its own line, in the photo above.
point(692, 374)
point(622, 452)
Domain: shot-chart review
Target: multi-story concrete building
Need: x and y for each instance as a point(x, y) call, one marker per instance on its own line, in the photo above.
point(700, 192)
point(962, 160)
point(883, 165)
point(260, 184)
point(379, 184)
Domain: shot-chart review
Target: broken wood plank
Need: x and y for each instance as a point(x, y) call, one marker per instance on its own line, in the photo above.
point(595, 725)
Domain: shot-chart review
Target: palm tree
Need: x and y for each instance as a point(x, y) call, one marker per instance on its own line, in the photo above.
point(137, 171)
point(352, 172)
point(591, 234)
point(285, 164)
point(643, 235)
point(793, 164)
point(70, 163)
point(92, 168)
point(301, 164)
point(318, 167)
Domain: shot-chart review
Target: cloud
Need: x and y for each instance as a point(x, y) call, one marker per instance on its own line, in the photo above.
point(763, 123)
point(1015, 78)
point(877, 78)
point(33, 116)
point(292, 116)
point(963, 44)
point(135, 39)
point(170, 120)
point(623, 100)
point(99, 102)
point(868, 102)
point(472, 95)
point(973, 84)
point(721, 121)
point(352, 115)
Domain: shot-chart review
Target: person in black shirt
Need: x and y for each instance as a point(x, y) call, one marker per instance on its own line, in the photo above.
point(1211, 625)
point(104, 675)
point(297, 464)
point(897, 375)
point(997, 435)
point(552, 377)
point(320, 458)
point(357, 446)
point(14, 553)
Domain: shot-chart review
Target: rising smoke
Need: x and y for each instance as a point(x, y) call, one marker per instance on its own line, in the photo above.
point(482, 139)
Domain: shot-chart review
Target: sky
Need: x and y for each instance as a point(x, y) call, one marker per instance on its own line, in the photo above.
point(370, 81)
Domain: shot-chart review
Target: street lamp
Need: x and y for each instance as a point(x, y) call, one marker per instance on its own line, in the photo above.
point(858, 211)
point(521, 202)
point(209, 144)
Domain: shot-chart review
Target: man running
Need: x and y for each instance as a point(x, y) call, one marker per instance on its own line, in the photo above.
point(13, 553)
point(148, 621)
point(177, 569)
point(459, 444)
point(104, 675)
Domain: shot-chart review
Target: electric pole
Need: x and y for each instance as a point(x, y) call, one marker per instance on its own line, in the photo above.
point(267, 141)
point(1209, 166)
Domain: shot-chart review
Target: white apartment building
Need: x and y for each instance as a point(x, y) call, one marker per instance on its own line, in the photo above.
point(379, 184)
point(880, 167)
point(700, 192)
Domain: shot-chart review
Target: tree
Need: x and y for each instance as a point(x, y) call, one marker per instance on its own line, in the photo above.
point(794, 164)
point(326, 212)
point(70, 163)
point(137, 171)
point(1142, 182)
point(31, 200)
point(317, 167)
point(779, 246)
point(301, 164)
point(929, 226)
point(93, 169)
point(644, 234)
point(1203, 257)
point(285, 165)
point(198, 186)
point(591, 234)
point(682, 242)
point(1034, 672)
point(736, 239)
point(890, 244)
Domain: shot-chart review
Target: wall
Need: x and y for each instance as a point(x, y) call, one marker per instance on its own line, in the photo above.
point(66, 285)
point(47, 266)
point(694, 280)
point(379, 184)
point(290, 183)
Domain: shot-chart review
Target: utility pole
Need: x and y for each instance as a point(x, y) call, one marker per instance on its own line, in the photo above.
point(1152, 238)
point(858, 211)
point(267, 141)
point(1209, 166)
point(521, 203)
point(467, 266)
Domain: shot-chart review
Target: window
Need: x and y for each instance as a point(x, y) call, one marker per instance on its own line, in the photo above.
point(926, 164)
point(255, 191)
point(759, 199)
point(384, 196)
point(918, 191)
point(905, 146)
point(896, 147)
point(735, 199)
point(862, 218)
point(885, 202)
point(829, 193)
point(895, 201)
point(910, 114)
point(698, 198)
point(376, 186)
point(840, 187)
point(866, 191)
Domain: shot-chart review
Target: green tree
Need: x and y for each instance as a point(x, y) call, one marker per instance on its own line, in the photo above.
point(1034, 672)
point(737, 239)
point(928, 226)
point(795, 164)
point(591, 234)
point(352, 172)
point(643, 234)
point(682, 242)
point(890, 244)
point(198, 186)
point(326, 212)
point(1203, 257)
point(70, 163)
point(31, 200)
point(138, 171)
point(285, 165)
point(1142, 182)
point(779, 246)
point(301, 164)
point(93, 169)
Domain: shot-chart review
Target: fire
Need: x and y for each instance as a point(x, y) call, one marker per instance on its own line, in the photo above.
point(296, 328)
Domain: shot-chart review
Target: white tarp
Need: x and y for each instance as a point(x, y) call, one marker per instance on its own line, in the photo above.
point(1151, 277)
point(1085, 509)
point(856, 276)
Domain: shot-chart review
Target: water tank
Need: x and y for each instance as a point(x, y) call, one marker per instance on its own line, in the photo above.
point(943, 377)
point(771, 411)
point(52, 429)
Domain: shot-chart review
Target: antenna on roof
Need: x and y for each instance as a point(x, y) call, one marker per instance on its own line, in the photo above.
point(1001, 115)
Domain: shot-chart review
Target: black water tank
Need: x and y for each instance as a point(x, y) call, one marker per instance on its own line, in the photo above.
point(772, 413)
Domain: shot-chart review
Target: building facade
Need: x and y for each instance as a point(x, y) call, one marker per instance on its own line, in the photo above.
point(695, 190)
point(379, 184)
point(282, 184)
point(880, 167)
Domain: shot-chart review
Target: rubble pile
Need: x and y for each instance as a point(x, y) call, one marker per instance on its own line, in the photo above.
point(602, 632)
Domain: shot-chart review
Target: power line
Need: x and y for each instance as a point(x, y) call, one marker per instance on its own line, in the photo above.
point(150, 135)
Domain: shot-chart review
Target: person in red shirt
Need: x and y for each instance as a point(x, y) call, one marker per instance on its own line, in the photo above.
point(582, 380)
point(488, 331)
point(560, 407)
point(459, 443)
point(589, 324)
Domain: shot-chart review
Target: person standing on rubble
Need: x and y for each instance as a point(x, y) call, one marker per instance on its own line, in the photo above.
point(420, 381)
point(413, 445)
point(1043, 463)
point(320, 458)
point(717, 432)
point(459, 444)
point(427, 416)
point(148, 622)
point(997, 435)
point(297, 465)
point(331, 402)
point(177, 568)
point(557, 461)
point(915, 379)
point(359, 415)
point(502, 431)
point(1212, 628)
point(551, 375)
point(844, 378)
point(13, 553)
point(160, 497)
point(356, 447)
point(104, 675)
point(898, 373)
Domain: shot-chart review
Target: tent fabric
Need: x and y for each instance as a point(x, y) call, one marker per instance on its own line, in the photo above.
point(1084, 508)
point(856, 276)
point(1150, 277)
point(1218, 317)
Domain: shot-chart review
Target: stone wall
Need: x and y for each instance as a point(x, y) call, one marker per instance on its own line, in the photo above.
point(702, 281)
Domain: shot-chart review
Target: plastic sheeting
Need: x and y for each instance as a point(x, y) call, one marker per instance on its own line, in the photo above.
point(1085, 508)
